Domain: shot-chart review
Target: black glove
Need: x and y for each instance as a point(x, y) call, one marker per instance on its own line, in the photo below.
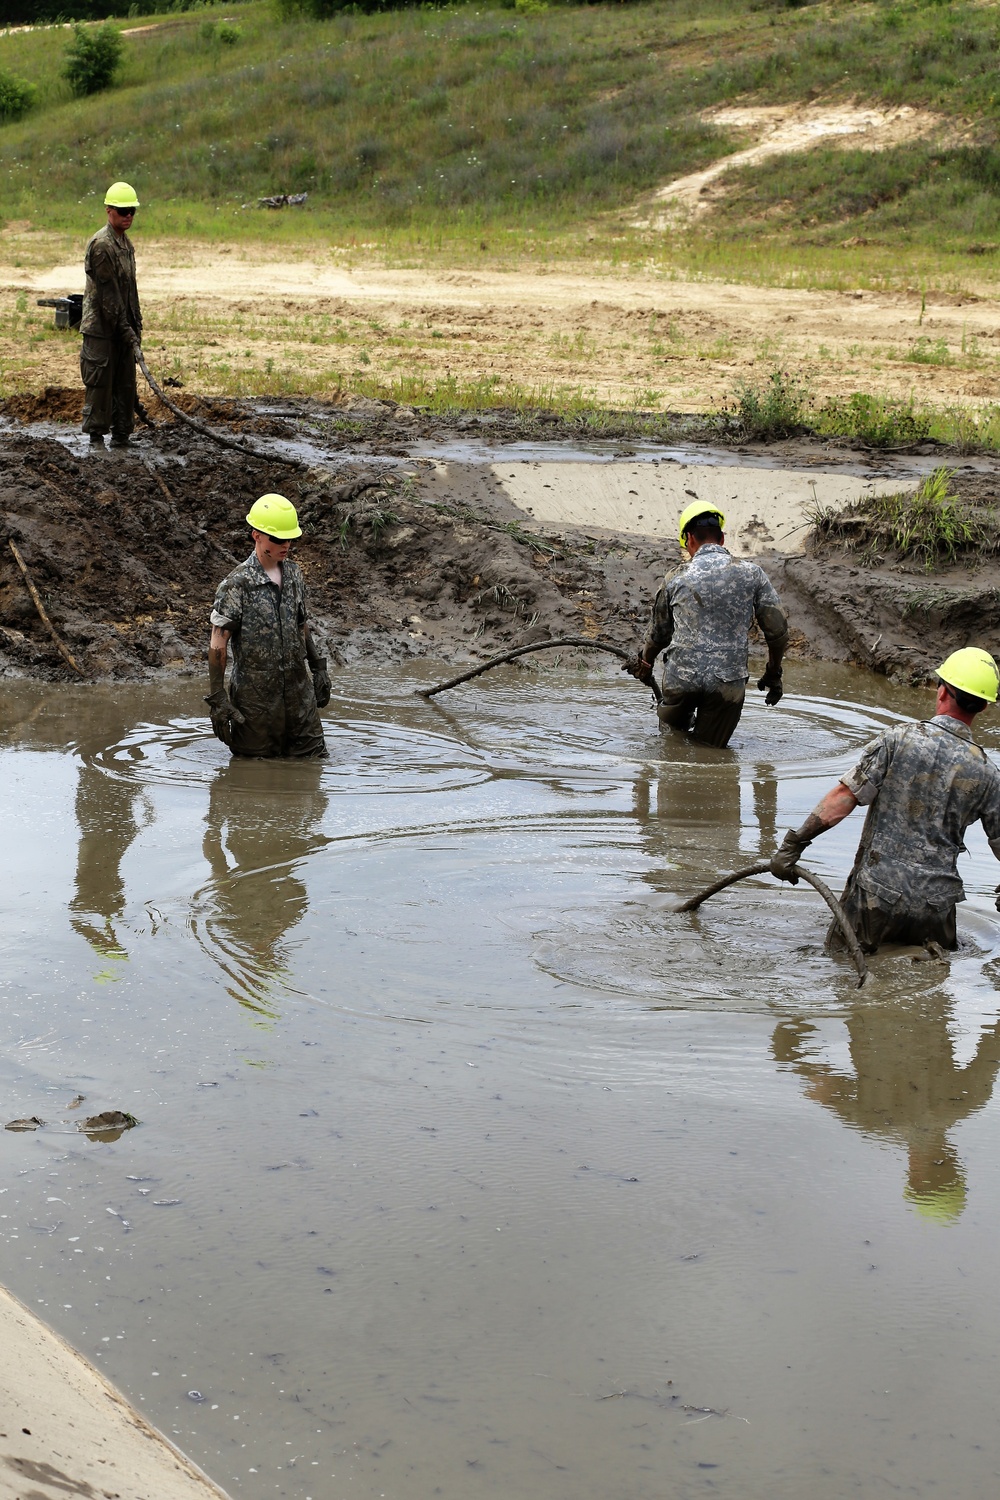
point(783, 863)
point(224, 715)
point(772, 681)
point(997, 895)
point(321, 682)
point(638, 667)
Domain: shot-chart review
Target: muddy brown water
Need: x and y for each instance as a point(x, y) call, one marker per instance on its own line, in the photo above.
point(465, 1167)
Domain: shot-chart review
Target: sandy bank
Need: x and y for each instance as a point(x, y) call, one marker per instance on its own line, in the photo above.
point(65, 1431)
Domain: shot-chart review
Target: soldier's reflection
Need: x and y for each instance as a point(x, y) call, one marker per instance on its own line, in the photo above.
point(106, 808)
point(262, 823)
point(691, 814)
point(906, 1089)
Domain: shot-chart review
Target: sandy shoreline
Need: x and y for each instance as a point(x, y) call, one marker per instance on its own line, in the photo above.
point(65, 1430)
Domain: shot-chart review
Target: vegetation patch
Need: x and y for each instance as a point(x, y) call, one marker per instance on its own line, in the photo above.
point(929, 525)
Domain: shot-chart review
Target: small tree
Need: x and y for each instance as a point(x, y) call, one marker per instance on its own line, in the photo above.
point(16, 97)
point(93, 58)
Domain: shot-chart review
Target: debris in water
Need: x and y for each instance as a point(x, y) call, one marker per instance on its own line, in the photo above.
point(32, 1123)
point(75, 1103)
point(165, 1202)
point(195, 1396)
point(107, 1126)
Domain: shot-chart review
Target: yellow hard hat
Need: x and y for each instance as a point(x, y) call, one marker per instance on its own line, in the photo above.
point(942, 1205)
point(699, 508)
point(972, 671)
point(276, 516)
point(121, 195)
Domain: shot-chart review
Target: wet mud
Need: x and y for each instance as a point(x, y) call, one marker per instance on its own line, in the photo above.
point(411, 546)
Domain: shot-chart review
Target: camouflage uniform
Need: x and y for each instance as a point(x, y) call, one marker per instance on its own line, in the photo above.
point(111, 315)
point(923, 784)
point(701, 620)
point(271, 684)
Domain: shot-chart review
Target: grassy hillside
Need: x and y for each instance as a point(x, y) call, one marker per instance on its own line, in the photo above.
point(495, 131)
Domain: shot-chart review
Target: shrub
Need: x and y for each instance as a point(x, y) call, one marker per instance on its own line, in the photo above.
point(229, 34)
point(774, 408)
point(16, 97)
point(929, 525)
point(93, 58)
point(876, 420)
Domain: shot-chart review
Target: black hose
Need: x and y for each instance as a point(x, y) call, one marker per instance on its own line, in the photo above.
point(499, 661)
point(840, 916)
point(217, 437)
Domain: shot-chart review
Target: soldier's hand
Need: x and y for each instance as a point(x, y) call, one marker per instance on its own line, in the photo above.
point(771, 682)
point(638, 667)
point(783, 862)
point(224, 715)
point(321, 682)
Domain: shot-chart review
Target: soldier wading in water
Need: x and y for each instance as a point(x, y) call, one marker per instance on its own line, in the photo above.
point(701, 622)
point(923, 784)
point(272, 707)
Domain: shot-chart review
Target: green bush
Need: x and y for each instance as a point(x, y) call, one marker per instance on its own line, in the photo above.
point(876, 420)
point(16, 97)
point(774, 408)
point(929, 525)
point(228, 34)
point(93, 58)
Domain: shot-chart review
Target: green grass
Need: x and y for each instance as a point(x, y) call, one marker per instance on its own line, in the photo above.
point(928, 525)
point(489, 133)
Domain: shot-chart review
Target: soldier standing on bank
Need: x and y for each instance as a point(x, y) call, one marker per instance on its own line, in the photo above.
point(279, 680)
point(701, 622)
point(111, 324)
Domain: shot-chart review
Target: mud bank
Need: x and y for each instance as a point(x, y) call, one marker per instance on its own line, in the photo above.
point(410, 553)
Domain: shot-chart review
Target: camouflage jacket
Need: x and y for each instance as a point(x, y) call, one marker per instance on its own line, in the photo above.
point(111, 297)
point(267, 624)
point(702, 617)
point(923, 784)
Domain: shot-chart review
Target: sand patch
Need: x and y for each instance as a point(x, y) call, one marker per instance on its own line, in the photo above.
point(67, 1432)
point(766, 510)
point(779, 129)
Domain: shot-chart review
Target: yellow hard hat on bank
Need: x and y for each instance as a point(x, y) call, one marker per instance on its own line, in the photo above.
point(693, 511)
point(121, 195)
point(972, 671)
point(276, 516)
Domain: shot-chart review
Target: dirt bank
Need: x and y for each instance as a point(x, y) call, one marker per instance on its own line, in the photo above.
point(405, 556)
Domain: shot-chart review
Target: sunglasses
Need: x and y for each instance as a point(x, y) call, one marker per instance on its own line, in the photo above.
point(126, 213)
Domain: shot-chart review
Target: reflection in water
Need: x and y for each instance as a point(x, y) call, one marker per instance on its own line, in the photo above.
point(106, 816)
point(693, 809)
point(260, 810)
point(907, 1088)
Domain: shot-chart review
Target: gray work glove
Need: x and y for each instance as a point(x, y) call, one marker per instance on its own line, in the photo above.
point(771, 680)
point(639, 668)
point(783, 863)
point(224, 715)
point(321, 682)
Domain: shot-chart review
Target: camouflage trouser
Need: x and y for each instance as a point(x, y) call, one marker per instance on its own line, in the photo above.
point(108, 370)
point(282, 720)
point(873, 925)
point(711, 717)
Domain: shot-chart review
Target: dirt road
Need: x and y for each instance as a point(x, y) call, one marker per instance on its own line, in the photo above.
point(243, 320)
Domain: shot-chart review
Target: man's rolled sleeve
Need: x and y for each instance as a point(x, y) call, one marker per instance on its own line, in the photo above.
point(865, 780)
point(227, 611)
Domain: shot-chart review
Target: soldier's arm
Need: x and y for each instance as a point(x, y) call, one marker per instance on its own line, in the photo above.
point(103, 271)
point(661, 627)
point(218, 650)
point(772, 620)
